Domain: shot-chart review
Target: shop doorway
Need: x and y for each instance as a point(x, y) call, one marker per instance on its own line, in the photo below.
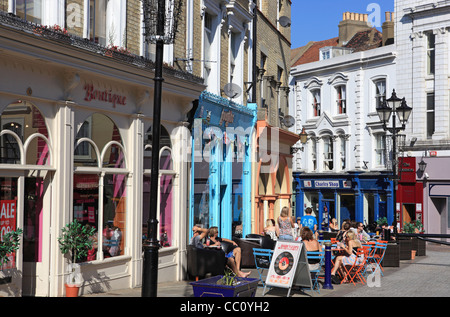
point(443, 208)
point(347, 208)
point(36, 245)
point(408, 213)
point(328, 213)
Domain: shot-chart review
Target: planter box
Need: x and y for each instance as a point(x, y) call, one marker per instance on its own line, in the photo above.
point(391, 256)
point(209, 288)
point(405, 248)
point(420, 246)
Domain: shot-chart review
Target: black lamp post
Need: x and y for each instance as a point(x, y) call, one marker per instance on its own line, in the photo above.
point(394, 107)
point(160, 21)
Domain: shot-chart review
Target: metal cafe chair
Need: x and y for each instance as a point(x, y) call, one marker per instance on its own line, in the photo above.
point(263, 257)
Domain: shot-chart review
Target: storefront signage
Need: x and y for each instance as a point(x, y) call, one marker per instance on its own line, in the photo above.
point(322, 184)
point(227, 117)
point(407, 169)
point(103, 95)
point(7, 216)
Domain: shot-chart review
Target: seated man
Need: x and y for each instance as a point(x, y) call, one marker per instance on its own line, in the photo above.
point(199, 234)
point(233, 256)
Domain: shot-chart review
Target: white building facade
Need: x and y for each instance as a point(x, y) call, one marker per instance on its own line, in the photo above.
point(341, 172)
point(76, 128)
point(422, 41)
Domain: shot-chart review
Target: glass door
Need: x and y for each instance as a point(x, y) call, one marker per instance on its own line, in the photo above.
point(36, 245)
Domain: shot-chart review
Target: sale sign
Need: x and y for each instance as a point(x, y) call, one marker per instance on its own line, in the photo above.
point(8, 210)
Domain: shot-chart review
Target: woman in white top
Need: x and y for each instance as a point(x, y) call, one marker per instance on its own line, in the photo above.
point(271, 229)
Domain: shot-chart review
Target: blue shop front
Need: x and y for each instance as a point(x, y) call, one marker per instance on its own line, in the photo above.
point(220, 191)
point(359, 196)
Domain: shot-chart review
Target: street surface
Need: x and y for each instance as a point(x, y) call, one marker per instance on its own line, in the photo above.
point(426, 276)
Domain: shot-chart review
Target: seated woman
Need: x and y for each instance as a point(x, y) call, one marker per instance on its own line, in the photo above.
point(341, 234)
point(310, 244)
point(334, 227)
point(233, 256)
point(271, 230)
point(350, 248)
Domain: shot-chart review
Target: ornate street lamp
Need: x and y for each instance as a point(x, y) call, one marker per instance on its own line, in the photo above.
point(160, 20)
point(422, 166)
point(394, 107)
point(303, 139)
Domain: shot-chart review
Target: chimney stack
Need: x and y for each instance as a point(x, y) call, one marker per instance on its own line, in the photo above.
point(351, 24)
point(388, 29)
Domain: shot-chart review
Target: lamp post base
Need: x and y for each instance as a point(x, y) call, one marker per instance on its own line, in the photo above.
point(150, 268)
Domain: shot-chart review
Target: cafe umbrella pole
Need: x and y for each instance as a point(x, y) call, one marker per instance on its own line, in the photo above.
point(160, 23)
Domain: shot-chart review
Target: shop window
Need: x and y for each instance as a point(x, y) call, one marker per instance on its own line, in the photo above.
point(22, 121)
point(8, 220)
point(166, 180)
point(102, 207)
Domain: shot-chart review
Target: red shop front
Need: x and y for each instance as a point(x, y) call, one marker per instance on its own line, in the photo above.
point(409, 206)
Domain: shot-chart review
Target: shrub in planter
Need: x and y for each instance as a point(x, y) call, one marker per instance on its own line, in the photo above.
point(8, 244)
point(227, 285)
point(76, 241)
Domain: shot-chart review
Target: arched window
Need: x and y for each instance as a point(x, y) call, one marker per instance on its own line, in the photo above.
point(24, 135)
point(24, 142)
point(99, 184)
point(166, 180)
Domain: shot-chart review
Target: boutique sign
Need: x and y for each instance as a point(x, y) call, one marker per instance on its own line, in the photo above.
point(106, 95)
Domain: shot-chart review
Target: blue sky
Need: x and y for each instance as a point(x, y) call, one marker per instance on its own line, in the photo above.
point(318, 20)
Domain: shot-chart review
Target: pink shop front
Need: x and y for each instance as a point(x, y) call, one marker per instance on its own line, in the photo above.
point(75, 143)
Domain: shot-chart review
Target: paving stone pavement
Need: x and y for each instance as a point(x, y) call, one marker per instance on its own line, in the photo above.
point(425, 276)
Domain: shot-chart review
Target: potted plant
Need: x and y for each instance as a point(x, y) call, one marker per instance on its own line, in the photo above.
point(227, 285)
point(8, 244)
point(406, 243)
point(418, 244)
point(76, 241)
